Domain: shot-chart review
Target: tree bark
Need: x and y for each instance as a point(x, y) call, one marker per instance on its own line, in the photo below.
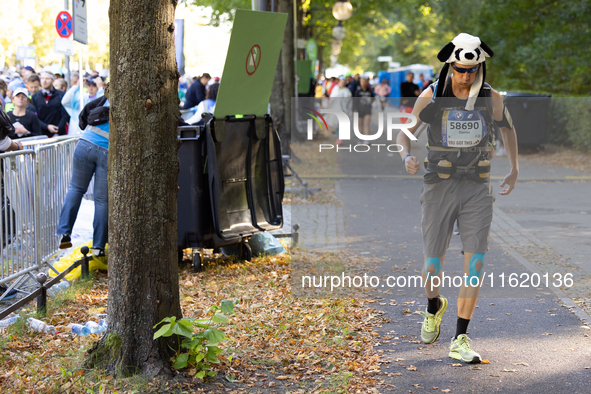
point(287, 60)
point(143, 170)
point(320, 61)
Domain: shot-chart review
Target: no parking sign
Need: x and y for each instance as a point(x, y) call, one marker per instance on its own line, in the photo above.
point(63, 24)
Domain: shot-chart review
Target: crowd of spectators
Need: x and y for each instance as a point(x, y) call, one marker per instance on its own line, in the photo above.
point(359, 93)
point(43, 102)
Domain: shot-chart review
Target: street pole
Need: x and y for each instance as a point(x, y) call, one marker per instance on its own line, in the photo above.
point(295, 48)
point(80, 78)
point(294, 115)
point(67, 60)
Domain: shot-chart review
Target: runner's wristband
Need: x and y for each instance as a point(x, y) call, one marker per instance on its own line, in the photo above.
point(404, 160)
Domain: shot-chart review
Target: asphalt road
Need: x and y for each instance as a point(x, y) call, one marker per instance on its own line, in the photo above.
point(533, 342)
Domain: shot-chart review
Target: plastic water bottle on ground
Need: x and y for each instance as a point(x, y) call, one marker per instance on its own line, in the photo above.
point(38, 325)
point(93, 327)
point(104, 324)
point(56, 289)
point(8, 321)
point(80, 330)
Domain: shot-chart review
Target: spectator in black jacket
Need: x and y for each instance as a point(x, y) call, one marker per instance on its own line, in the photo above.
point(25, 122)
point(196, 92)
point(48, 105)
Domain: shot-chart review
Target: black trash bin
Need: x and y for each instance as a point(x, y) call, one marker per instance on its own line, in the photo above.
point(530, 117)
point(230, 181)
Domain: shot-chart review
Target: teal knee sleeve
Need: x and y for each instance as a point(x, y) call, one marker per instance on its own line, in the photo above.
point(472, 272)
point(435, 262)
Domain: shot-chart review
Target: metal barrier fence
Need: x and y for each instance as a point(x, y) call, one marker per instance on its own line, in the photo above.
point(34, 185)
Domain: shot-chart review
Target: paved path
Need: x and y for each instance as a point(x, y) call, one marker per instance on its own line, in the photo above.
point(536, 338)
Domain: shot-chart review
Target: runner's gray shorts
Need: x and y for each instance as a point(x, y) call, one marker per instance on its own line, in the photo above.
point(470, 203)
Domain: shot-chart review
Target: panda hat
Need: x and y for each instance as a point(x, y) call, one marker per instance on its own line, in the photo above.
point(468, 50)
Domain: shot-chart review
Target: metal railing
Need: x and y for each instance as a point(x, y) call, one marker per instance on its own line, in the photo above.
point(34, 185)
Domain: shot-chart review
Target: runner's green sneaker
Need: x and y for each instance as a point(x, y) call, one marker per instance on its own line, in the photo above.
point(460, 349)
point(431, 324)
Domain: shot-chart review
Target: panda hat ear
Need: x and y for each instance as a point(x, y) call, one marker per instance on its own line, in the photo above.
point(446, 52)
point(486, 49)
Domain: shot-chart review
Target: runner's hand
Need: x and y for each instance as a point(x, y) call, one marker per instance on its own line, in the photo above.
point(509, 181)
point(412, 165)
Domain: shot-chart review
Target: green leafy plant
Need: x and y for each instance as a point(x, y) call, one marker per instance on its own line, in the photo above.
point(198, 349)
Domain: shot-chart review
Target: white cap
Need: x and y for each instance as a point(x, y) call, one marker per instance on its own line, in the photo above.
point(20, 90)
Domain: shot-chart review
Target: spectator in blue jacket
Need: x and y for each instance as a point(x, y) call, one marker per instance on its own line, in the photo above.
point(196, 92)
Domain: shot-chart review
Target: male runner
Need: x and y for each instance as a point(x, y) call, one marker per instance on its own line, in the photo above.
point(460, 111)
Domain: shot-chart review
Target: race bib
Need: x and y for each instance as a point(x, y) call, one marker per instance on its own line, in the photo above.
point(462, 129)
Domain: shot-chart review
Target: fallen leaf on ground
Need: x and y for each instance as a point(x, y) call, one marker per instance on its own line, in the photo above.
point(411, 368)
point(456, 365)
point(509, 370)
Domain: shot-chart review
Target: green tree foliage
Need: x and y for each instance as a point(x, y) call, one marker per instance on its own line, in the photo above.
point(539, 45)
point(223, 10)
point(418, 36)
point(368, 23)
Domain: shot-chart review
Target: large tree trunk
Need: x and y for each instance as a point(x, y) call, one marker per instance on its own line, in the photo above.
point(287, 60)
point(143, 170)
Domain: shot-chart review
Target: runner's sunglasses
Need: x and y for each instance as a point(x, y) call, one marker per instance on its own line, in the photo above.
point(465, 70)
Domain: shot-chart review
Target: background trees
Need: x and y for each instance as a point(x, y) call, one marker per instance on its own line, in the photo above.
point(540, 45)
